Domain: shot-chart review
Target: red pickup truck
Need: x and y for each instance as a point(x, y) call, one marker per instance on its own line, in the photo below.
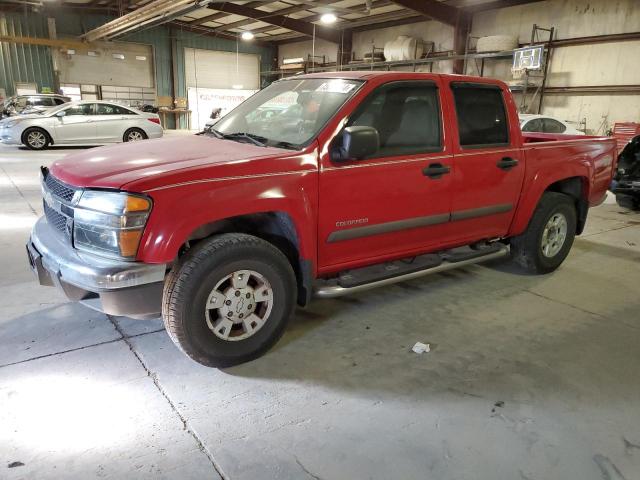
point(318, 185)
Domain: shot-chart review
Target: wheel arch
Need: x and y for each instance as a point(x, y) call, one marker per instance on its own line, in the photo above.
point(577, 187)
point(275, 227)
point(37, 127)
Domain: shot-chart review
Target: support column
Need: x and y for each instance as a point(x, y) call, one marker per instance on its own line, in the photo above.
point(460, 34)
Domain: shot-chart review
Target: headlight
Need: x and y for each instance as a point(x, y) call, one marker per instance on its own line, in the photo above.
point(110, 223)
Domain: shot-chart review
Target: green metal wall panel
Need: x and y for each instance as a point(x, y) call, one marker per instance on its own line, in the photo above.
point(24, 63)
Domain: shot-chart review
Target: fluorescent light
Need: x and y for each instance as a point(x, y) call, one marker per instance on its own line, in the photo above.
point(247, 36)
point(70, 51)
point(92, 53)
point(118, 56)
point(328, 18)
point(141, 57)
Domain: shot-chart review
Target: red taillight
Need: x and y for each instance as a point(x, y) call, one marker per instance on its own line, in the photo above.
point(154, 120)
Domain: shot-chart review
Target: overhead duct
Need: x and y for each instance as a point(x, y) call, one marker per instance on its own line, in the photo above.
point(156, 12)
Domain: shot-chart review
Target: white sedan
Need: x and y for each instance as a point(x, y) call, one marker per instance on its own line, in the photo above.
point(80, 123)
point(545, 124)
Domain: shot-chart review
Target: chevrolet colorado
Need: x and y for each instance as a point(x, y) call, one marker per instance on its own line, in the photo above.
point(358, 180)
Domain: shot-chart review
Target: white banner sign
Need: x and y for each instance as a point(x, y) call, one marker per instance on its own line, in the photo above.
point(202, 101)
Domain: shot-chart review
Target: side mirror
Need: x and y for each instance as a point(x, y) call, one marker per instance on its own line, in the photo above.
point(356, 143)
point(61, 114)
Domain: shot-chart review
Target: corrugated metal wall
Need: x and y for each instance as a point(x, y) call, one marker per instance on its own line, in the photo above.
point(24, 63)
point(33, 64)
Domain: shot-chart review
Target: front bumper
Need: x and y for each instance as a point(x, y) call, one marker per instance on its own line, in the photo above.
point(9, 136)
point(114, 287)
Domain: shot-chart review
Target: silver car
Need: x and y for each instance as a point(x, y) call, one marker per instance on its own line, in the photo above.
point(80, 123)
point(35, 103)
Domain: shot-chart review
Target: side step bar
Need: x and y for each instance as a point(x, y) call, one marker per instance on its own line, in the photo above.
point(379, 275)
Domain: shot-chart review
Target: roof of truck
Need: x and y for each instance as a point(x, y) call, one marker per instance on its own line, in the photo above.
point(370, 74)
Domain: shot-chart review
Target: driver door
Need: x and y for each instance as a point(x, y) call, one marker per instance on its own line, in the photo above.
point(77, 125)
point(389, 205)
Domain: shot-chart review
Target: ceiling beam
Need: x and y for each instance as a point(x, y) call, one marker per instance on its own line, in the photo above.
point(215, 16)
point(47, 42)
point(210, 32)
point(433, 9)
point(481, 7)
point(279, 20)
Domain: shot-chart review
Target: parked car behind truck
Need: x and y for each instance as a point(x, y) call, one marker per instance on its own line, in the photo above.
point(35, 103)
point(88, 122)
point(387, 176)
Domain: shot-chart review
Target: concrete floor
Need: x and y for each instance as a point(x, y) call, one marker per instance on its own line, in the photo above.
point(528, 377)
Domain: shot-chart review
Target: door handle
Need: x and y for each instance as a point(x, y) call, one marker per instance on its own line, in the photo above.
point(89, 120)
point(436, 170)
point(507, 163)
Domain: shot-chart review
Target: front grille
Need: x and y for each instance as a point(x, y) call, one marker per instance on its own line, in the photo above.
point(55, 219)
point(59, 189)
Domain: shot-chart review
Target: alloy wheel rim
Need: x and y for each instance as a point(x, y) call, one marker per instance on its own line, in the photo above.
point(36, 139)
point(554, 235)
point(239, 305)
point(135, 136)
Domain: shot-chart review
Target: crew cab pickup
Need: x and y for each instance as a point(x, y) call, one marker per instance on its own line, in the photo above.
point(318, 185)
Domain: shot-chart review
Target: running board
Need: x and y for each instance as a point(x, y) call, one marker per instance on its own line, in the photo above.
point(389, 273)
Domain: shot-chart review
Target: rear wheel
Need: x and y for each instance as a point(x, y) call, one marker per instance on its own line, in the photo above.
point(546, 243)
point(35, 139)
point(229, 300)
point(134, 135)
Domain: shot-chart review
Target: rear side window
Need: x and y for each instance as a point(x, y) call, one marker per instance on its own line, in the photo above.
point(552, 126)
point(482, 119)
point(406, 115)
point(106, 109)
point(534, 125)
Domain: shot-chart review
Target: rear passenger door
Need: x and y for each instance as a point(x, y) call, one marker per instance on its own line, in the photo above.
point(112, 121)
point(387, 205)
point(488, 164)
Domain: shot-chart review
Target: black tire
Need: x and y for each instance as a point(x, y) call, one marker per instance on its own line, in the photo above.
point(526, 249)
point(134, 135)
point(36, 139)
point(196, 275)
point(628, 201)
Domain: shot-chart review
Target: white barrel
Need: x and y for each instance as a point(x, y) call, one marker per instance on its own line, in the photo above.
point(403, 48)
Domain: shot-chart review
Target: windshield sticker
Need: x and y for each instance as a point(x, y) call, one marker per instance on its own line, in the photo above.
point(336, 86)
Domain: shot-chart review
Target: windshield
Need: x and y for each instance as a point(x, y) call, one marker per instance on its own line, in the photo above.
point(52, 111)
point(288, 113)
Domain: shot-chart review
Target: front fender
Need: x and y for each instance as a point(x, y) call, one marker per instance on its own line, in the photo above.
point(180, 210)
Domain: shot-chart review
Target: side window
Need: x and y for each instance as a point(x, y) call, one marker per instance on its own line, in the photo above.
point(482, 119)
point(407, 118)
point(58, 101)
point(84, 109)
point(534, 125)
point(106, 109)
point(552, 126)
point(21, 102)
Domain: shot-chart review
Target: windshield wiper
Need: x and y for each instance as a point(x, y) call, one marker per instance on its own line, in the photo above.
point(287, 145)
point(255, 139)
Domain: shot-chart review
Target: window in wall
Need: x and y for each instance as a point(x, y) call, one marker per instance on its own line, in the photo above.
point(406, 116)
point(482, 120)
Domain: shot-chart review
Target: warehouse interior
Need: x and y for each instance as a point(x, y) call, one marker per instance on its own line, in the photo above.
point(479, 372)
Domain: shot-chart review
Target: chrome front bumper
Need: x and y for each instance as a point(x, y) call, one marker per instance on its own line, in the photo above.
point(111, 286)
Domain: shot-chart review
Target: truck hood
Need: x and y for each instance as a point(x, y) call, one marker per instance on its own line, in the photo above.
point(155, 162)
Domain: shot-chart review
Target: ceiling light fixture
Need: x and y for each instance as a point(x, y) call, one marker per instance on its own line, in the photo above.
point(247, 36)
point(328, 18)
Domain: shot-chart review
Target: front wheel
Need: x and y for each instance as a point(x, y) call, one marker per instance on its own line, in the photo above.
point(35, 139)
point(546, 243)
point(229, 300)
